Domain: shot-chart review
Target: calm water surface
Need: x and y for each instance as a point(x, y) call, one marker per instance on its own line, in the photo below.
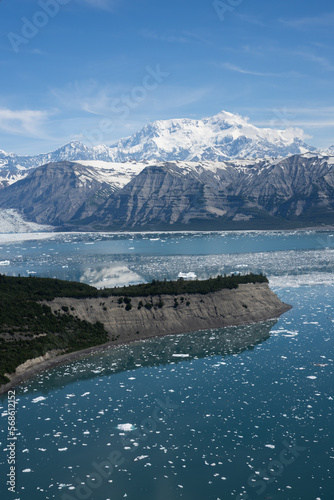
point(236, 413)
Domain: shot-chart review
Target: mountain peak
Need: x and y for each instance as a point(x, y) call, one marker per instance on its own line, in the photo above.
point(222, 136)
point(226, 116)
point(74, 145)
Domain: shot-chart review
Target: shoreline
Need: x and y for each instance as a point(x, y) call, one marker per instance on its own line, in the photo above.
point(51, 362)
point(22, 236)
point(201, 314)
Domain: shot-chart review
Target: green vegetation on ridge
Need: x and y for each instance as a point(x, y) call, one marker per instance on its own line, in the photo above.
point(182, 286)
point(29, 329)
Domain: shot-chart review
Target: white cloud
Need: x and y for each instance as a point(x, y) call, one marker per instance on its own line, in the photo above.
point(315, 111)
point(173, 37)
point(101, 4)
point(238, 69)
point(175, 97)
point(22, 122)
point(296, 124)
point(108, 100)
point(251, 19)
point(321, 60)
point(296, 118)
point(88, 96)
point(306, 22)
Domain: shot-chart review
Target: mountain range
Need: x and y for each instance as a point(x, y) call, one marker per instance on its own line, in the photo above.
point(221, 137)
point(216, 173)
point(297, 191)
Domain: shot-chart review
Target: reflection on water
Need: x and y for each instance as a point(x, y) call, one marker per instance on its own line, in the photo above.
point(115, 274)
point(158, 351)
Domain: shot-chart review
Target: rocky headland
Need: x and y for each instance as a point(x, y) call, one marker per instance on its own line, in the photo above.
point(74, 319)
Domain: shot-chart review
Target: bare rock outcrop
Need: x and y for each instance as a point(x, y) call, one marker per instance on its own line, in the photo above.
point(249, 303)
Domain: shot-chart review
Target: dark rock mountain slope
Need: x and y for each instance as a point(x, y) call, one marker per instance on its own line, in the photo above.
point(56, 193)
point(294, 192)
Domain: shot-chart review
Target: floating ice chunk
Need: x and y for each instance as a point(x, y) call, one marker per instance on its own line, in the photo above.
point(37, 400)
point(63, 485)
point(62, 449)
point(288, 333)
point(270, 446)
point(85, 394)
point(181, 355)
point(27, 470)
point(126, 427)
point(140, 457)
point(312, 377)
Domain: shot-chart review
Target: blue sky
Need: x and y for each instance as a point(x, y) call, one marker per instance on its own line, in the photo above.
point(99, 70)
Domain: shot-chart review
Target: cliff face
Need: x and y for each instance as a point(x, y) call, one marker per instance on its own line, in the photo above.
point(243, 305)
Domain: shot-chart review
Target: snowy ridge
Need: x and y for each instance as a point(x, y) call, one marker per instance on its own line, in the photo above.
point(329, 151)
point(225, 136)
point(115, 174)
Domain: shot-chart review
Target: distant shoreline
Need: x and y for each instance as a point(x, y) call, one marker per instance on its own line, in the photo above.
point(66, 230)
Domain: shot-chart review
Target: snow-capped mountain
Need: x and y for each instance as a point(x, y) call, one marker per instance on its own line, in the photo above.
point(14, 167)
point(218, 138)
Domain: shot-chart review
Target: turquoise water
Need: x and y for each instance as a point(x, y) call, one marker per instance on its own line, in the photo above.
point(237, 413)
